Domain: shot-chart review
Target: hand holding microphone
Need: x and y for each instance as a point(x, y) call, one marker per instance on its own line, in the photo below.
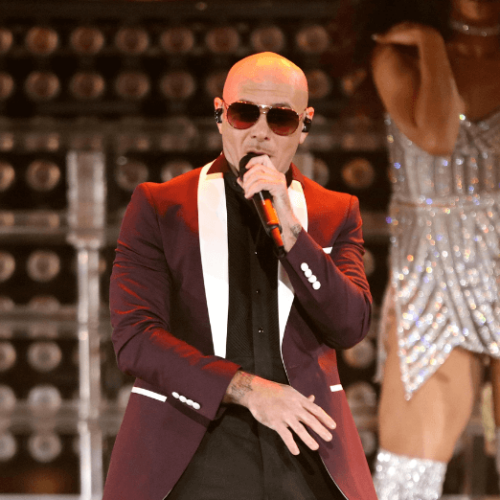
point(263, 202)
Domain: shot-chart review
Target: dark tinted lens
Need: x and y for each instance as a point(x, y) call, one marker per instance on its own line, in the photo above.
point(283, 121)
point(242, 115)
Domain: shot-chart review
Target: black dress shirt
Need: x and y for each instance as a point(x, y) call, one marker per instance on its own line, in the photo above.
point(239, 458)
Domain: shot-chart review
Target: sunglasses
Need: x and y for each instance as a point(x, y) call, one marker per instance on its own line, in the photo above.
point(282, 121)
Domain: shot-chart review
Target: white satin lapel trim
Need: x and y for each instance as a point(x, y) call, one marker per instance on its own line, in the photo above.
point(285, 289)
point(212, 225)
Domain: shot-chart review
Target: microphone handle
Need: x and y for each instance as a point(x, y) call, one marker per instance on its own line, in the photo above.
point(269, 218)
point(264, 206)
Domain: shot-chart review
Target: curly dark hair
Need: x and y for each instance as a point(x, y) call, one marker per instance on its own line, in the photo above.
point(378, 16)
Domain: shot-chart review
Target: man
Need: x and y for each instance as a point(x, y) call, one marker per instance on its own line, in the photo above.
point(237, 393)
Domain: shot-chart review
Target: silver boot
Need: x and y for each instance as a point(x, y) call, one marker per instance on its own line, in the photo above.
point(398, 477)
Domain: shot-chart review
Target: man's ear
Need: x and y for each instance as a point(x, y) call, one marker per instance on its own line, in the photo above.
point(218, 112)
point(308, 116)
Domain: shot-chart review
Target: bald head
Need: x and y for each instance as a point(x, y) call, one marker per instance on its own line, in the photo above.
point(269, 81)
point(267, 71)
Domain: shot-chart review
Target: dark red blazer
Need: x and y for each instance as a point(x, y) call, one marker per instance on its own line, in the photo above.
point(168, 300)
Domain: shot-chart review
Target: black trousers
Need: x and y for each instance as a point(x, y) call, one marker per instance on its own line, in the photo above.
point(239, 459)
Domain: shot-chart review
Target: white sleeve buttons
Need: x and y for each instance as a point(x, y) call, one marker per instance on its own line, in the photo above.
point(185, 400)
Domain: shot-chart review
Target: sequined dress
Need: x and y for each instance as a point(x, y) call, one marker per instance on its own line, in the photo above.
point(445, 247)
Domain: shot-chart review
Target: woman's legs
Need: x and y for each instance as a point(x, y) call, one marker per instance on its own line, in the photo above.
point(427, 427)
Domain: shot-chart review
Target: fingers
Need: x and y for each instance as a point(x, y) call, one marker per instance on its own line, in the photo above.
point(297, 425)
point(287, 438)
point(259, 178)
point(314, 424)
point(321, 415)
point(283, 409)
point(302, 433)
point(405, 33)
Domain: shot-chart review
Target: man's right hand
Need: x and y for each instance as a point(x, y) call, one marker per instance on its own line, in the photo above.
point(281, 408)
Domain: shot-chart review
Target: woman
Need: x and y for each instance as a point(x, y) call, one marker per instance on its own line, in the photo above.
point(436, 66)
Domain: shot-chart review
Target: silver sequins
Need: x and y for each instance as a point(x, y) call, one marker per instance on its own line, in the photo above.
point(398, 477)
point(445, 248)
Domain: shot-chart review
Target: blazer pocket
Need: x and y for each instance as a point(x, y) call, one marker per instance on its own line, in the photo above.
point(149, 394)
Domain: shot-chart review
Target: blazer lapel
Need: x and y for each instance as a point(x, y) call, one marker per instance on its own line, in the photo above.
point(285, 288)
point(212, 224)
point(212, 220)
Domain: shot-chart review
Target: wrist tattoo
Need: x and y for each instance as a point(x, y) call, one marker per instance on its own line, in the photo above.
point(296, 229)
point(242, 385)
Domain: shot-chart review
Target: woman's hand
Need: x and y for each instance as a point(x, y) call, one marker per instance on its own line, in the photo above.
point(407, 33)
point(419, 91)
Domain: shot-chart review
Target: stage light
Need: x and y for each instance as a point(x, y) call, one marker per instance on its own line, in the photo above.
point(358, 173)
point(368, 441)
point(7, 176)
point(177, 40)
point(223, 40)
point(130, 173)
point(41, 41)
point(42, 85)
point(6, 40)
point(44, 356)
point(132, 85)
point(44, 399)
point(45, 446)
point(319, 84)
point(360, 356)
point(313, 39)
point(361, 396)
point(178, 85)
point(43, 175)
point(7, 86)
point(87, 85)
point(8, 356)
point(268, 38)
point(8, 446)
point(87, 40)
point(214, 83)
point(7, 265)
point(132, 40)
point(8, 399)
point(174, 168)
point(44, 303)
point(43, 265)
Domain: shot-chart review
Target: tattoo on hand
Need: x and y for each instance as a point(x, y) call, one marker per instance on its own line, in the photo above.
point(241, 386)
point(296, 229)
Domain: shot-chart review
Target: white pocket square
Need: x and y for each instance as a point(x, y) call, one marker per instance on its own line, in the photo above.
point(327, 250)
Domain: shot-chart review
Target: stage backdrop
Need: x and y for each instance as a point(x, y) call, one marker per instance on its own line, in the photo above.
point(96, 97)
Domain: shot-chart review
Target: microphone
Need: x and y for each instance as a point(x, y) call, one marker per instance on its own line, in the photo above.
point(264, 205)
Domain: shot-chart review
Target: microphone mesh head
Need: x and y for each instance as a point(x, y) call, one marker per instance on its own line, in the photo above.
point(244, 161)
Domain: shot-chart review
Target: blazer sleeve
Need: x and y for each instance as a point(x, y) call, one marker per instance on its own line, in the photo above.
point(332, 289)
point(140, 301)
